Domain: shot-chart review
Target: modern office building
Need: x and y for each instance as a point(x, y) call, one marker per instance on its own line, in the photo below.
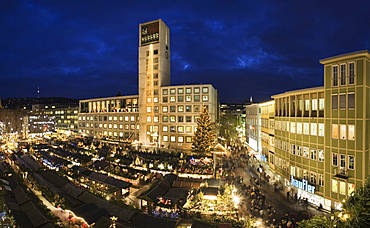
point(162, 115)
point(321, 135)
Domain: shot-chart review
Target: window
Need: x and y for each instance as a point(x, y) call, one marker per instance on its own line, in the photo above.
point(335, 159)
point(334, 101)
point(188, 90)
point(321, 180)
point(165, 138)
point(351, 188)
point(313, 177)
point(165, 118)
point(172, 99)
point(172, 108)
point(343, 74)
point(196, 108)
point(180, 129)
point(307, 105)
point(313, 129)
point(292, 148)
point(165, 109)
point(351, 132)
point(313, 154)
point(180, 108)
point(343, 131)
point(180, 98)
point(173, 138)
point(188, 129)
point(148, 119)
point(334, 131)
point(148, 109)
point(188, 119)
point(342, 161)
point(156, 119)
point(321, 155)
point(306, 128)
point(342, 187)
point(321, 103)
point(172, 129)
point(196, 98)
point(165, 99)
point(314, 104)
point(172, 91)
point(351, 162)
point(305, 152)
point(180, 119)
point(165, 92)
point(188, 139)
point(299, 128)
point(180, 139)
point(205, 97)
point(351, 76)
point(334, 186)
point(155, 52)
point(335, 76)
point(188, 108)
point(196, 90)
point(351, 101)
point(156, 109)
point(180, 90)
point(172, 118)
point(342, 101)
point(292, 127)
point(321, 129)
point(299, 150)
point(188, 98)
point(165, 128)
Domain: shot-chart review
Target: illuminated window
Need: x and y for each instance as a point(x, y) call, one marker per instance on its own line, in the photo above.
point(188, 98)
point(165, 128)
point(115, 126)
point(165, 138)
point(188, 90)
point(334, 131)
point(126, 118)
point(321, 104)
point(205, 97)
point(148, 119)
point(180, 108)
point(188, 129)
point(196, 98)
point(196, 90)
point(180, 129)
point(148, 109)
point(172, 118)
point(109, 118)
point(188, 139)
point(342, 187)
point(292, 127)
point(180, 139)
point(305, 152)
point(180, 90)
point(334, 186)
point(343, 131)
point(172, 99)
point(342, 161)
point(313, 129)
point(156, 119)
point(165, 109)
point(351, 132)
point(351, 188)
point(299, 128)
point(321, 155)
point(155, 99)
point(173, 138)
point(321, 129)
point(149, 99)
point(165, 118)
point(172, 91)
point(314, 104)
point(165, 91)
point(188, 108)
point(110, 125)
point(205, 89)
point(126, 126)
point(306, 128)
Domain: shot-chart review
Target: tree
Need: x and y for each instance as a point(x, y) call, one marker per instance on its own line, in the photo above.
point(204, 135)
point(355, 212)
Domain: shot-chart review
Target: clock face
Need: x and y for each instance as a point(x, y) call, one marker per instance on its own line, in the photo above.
point(166, 54)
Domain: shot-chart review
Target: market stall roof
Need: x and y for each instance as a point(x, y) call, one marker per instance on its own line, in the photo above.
point(215, 183)
point(90, 212)
point(145, 220)
point(182, 182)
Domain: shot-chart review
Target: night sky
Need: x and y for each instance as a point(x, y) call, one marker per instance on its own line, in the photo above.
point(88, 49)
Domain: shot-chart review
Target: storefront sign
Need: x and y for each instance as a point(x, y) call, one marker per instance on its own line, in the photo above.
point(302, 184)
point(149, 33)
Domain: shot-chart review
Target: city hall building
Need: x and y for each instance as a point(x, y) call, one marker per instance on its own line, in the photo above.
point(320, 135)
point(161, 115)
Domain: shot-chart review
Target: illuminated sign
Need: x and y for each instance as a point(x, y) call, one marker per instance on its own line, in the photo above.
point(302, 184)
point(150, 33)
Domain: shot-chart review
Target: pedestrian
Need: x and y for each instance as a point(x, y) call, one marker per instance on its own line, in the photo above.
point(287, 194)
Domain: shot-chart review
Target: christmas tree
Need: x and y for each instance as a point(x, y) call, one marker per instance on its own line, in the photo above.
point(204, 135)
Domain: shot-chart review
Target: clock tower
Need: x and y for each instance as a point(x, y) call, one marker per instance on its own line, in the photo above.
point(154, 72)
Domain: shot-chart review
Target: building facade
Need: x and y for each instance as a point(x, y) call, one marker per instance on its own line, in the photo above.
point(321, 143)
point(162, 115)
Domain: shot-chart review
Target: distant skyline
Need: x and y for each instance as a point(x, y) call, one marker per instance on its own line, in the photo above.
point(88, 49)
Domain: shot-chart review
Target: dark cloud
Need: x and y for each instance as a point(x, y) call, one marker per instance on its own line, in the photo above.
point(86, 49)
